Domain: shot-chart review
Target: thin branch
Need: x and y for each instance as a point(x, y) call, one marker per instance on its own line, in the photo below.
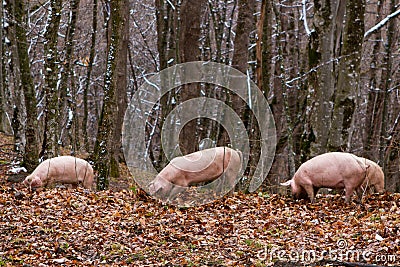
point(381, 24)
point(308, 31)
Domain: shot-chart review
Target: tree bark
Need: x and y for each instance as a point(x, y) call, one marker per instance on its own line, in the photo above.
point(30, 156)
point(67, 84)
point(50, 146)
point(88, 77)
point(2, 74)
point(386, 83)
point(104, 146)
point(349, 76)
point(121, 92)
point(13, 80)
point(372, 118)
point(189, 40)
point(321, 83)
point(166, 17)
point(265, 48)
point(240, 59)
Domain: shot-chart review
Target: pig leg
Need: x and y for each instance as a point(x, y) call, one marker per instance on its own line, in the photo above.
point(315, 191)
point(87, 183)
point(349, 193)
point(310, 192)
point(360, 193)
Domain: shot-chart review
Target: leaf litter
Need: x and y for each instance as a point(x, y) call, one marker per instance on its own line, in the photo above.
point(77, 227)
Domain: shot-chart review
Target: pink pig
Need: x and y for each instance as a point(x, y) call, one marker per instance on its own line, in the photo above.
point(335, 170)
point(64, 169)
point(201, 166)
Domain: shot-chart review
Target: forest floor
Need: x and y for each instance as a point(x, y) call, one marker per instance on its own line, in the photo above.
point(124, 227)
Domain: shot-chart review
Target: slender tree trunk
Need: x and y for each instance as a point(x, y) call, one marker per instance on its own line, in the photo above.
point(12, 82)
point(386, 83)
point(50, 147)
point(88, 76)
point(121, 92)
point(67, 85)
point(245, 24)
point(240, 59)
point(349, 76)
point(30, 157)
point(163, 18)
point(104, 144)
point(189, 40)
point(321, 83)
point(265, 48)
point(218, 14)
point(2, 72)
point(372, 122)
point(167, 43)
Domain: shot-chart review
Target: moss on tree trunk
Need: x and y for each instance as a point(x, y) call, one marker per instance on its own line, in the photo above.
point(30, 157)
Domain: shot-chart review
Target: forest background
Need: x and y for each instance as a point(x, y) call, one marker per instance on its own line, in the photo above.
point(329, 70)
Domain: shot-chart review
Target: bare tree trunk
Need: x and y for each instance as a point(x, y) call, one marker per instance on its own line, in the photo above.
point(321, 83)
point(349, 76)
point(103, 150)
point(386, 83)
point(166, 16)
point(121, 92)
point(88, 76)
point(265, 48)
point(12, 82)
point(67, 85)
point(2, 74)
point(30, 157)
point(162, 32)
point(50, 147)
point(240, 59)
point(372, 122)
point(189, 40)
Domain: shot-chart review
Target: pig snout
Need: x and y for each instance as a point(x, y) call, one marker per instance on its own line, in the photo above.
point(154, 188)
point(32, 181)
point(161, 188)
point(297, 191)
point(36, 182)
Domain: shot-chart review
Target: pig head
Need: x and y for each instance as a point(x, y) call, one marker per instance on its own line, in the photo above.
point(375, 178)
point(63, 169)
point(201, 166)
point(337, 170)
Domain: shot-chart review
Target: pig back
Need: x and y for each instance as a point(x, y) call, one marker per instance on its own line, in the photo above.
point(69, 169)
point(334, 170)
point(201, 160)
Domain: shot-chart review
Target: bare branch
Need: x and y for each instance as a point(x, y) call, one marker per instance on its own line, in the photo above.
point(381, 24)
point(308, 31)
